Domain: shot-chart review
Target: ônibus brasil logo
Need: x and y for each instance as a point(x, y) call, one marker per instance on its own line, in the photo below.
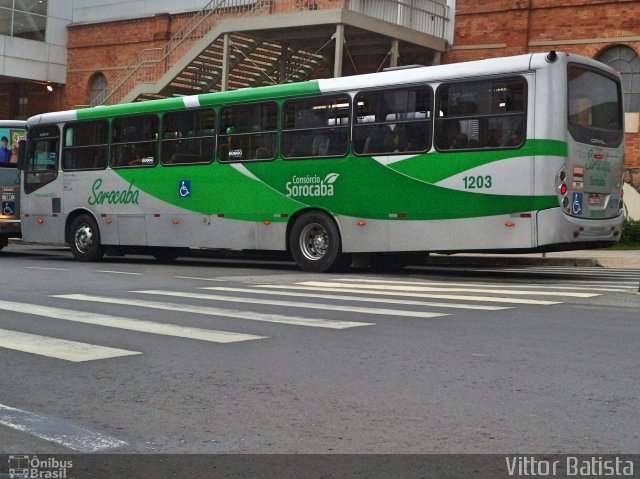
point(311, 185)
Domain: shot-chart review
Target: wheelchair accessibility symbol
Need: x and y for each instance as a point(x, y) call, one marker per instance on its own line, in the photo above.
point(9, 208)
point(184, 188)
point(576, 203)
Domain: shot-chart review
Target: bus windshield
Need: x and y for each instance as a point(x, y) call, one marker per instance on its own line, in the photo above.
point(595, 107)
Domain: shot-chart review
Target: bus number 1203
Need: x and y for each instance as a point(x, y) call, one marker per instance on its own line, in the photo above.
point(477, 182)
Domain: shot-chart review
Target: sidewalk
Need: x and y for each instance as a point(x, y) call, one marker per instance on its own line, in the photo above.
point(583, 258)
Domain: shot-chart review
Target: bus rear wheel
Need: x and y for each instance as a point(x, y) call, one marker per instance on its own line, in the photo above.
point(85, 239)
point(315, 243)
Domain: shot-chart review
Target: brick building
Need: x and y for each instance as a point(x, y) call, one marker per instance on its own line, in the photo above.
point(606, 30)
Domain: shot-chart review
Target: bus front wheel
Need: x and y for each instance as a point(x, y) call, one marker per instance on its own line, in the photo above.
point(315, 243)
point(85, 239)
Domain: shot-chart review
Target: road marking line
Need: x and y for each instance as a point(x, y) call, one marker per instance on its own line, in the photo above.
point(230, 313)
point(553, 286)
point(325, 307)
point(57, 430)
point(448, 290)
point(361, 299)
point(488, 299)
point(47, 269)
point(58, 348)
point(119, 272)
point(201, 279)
point(128, 323)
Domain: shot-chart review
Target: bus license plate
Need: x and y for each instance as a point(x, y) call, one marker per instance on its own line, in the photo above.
point(594, 199)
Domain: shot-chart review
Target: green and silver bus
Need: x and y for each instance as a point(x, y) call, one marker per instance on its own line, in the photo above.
point(515, 154)
point(11, 133)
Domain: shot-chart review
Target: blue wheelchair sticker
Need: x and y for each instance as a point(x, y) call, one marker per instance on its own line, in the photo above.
point(576, 203)
point(184, 188)
point(9, 208)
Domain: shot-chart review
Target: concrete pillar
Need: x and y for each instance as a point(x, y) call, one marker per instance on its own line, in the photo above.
point(225, 62)
point(337, 62)
point(395, 52)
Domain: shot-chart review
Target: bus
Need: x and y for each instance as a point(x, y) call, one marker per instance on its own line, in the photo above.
point(514, 154)
point(11, 133)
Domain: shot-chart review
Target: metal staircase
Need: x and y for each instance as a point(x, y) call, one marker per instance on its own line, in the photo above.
point(231, 44)
point(191, 61)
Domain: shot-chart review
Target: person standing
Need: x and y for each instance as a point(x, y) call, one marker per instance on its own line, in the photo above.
point(5, 152)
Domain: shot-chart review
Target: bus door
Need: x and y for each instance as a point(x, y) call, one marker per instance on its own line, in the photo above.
point(41, 196)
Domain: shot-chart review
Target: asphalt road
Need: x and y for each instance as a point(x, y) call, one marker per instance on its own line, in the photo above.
point(281, 361)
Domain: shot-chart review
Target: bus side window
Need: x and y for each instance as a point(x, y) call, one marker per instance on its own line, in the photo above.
point(85, 145)
point(188, 137)
point(248, 132)
point(481, 114)
point(393, 121)
point(316, 127)
point(134, 141)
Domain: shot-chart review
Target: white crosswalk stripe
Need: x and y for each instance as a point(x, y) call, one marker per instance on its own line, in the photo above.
point(348, 288)
point(304, 305)
point(229, 313)
point(106, 320)
point(58, 348)
point(424, 288)
point(405, 302)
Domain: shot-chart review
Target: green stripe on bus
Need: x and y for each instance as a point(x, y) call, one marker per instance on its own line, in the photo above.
point(139, 107)
point(358, 187)
point(261, 93)
point(273, 92)
point(437, 166)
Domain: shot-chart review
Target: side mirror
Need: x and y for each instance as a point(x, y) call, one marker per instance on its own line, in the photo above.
point(22, 154)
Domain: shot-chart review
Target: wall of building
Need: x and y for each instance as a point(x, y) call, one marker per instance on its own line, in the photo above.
point(36, 60)
point(495, 28)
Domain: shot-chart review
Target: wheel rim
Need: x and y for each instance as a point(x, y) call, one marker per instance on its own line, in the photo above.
point(83, 239)
point(314, 241)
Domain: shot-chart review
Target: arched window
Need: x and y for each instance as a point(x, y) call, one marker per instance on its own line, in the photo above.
point(97, 84)
point(627, 62)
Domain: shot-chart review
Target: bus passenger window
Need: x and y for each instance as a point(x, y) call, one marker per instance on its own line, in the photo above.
point(134, 141)
point(85, 145)
point(316, 127)
point(248, 132)
point(188, 137)
point(393, 121)
point(481, 114)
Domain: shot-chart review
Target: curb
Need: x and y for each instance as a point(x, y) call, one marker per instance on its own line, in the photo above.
point(510, 261)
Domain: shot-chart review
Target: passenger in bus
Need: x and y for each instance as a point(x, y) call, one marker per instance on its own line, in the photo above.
point(515, 139)
point(5, 152)
point(494, 137)
point(321, 142)
point(14, 154)
point(459, 141)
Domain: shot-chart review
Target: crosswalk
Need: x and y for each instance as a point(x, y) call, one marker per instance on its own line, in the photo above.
point(335, 303)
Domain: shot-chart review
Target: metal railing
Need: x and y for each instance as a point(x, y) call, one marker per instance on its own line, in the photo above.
point(431, 17)
point(152, 63)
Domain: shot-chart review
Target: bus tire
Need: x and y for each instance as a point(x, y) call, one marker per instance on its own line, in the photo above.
point(4, 241)
point(85, 239)
point(315, 243)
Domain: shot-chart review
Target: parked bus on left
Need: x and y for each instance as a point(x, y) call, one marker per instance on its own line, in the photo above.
point(11, 133)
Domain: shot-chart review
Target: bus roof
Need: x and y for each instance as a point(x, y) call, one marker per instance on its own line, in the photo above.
point(502, 65)
point(13, 124)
